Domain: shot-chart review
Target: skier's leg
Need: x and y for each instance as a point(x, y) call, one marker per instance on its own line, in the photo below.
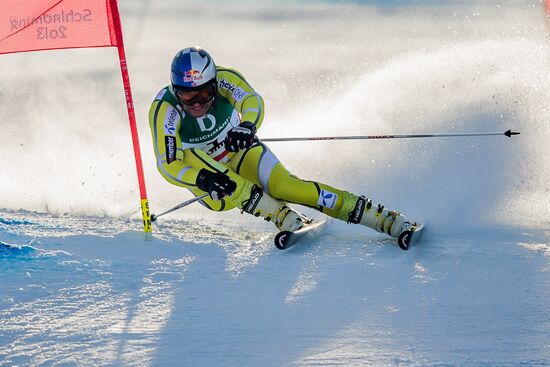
point(260, 203)
point(258, 164)
point(248, 196)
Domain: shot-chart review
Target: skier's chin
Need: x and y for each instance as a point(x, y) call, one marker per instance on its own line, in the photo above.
point(198, 112)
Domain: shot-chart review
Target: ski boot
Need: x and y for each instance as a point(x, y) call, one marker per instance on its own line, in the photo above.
point(379, 218)
point(385, 221)
point(262, 204)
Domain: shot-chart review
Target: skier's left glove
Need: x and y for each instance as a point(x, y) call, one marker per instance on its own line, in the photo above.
point(241, 137)
point(217, 184)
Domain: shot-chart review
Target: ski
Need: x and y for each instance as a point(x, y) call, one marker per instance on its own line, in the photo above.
point(287, 239)
point(410, 237)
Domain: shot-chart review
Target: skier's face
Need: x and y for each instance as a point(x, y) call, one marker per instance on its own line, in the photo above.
point(196, 102)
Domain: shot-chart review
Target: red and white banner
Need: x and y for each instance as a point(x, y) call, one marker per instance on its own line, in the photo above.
point(32, 25)
point(55, 24)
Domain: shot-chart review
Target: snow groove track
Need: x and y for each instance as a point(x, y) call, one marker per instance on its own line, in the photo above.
point(346, 299)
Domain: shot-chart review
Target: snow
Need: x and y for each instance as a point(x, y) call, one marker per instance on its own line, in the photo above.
point(473, 298)
point(81, 285)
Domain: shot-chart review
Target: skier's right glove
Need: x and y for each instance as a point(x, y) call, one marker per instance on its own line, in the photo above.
point(241, 137)
point(217, 184)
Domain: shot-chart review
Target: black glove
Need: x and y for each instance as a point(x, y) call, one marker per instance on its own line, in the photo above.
point(241, 137)
point(217, 184)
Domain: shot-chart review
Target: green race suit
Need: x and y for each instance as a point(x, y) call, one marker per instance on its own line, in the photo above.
point(184, 145)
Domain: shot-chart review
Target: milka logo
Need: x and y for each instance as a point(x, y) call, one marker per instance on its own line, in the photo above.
point(210, 118)
point(170, 121)
point(236, 92)
point(327, 199)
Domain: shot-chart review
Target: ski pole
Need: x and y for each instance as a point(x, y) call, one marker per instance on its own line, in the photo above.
point(507, 133)
point(179, 206)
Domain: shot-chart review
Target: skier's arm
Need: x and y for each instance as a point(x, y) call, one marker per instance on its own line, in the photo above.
point(234, 87)
point(164, 122)
point(178, 164)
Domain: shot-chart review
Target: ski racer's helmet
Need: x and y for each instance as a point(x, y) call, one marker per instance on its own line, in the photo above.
point(192, 69)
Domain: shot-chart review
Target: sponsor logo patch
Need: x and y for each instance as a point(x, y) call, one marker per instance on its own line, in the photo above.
point(210, 119)
point(192, 76)
point(361, 205)
point(236, 92)
point(170, 121)
point(357, 213)
point(255, 197)
point(170, 144)
point(327, 199)
point(214, 146)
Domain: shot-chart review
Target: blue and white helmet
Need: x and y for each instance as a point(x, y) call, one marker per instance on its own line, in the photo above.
point(192, 68)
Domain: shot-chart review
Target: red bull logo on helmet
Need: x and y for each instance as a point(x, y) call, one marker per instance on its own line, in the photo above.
point(192, 76)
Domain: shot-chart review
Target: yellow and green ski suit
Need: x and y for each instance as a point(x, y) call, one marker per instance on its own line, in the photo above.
point(184, 145)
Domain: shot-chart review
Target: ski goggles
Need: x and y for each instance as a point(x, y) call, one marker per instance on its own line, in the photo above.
point(193, 97)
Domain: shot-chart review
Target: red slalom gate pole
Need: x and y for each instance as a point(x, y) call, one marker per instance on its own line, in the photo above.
point(131, 115)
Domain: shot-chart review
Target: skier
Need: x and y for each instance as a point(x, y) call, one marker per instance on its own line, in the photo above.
point(204, 128)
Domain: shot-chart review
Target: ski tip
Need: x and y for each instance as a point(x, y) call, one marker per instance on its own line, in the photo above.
point(403, 240)
point(408, 238)
point(285, 239)
point(281, 240)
